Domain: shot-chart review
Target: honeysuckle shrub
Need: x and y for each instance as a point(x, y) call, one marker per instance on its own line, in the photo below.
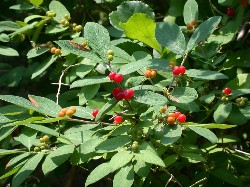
point(147, 100)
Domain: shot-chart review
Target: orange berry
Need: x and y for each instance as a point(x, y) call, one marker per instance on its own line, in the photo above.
point(57, 52)
point(189, 27)
point(61, 114)
point(52, 50)
point(70, 113)
point(84, 44)
point(64, 110)
point(45, 138)
point(170, 114)
point(171, 120)
point(153, 73)
point(73, 109)
point(147, 74)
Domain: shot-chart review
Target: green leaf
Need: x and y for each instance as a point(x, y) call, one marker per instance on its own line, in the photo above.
point(7, 51)
point(36, 2)
point(240, 81)
point(79, 137)
point(236, 117)
point(141, 27)
point(169, 160)
point(34, 52)
point(134, 66)
point(31, 17)
point(226, 176)
point(27, 137)
point(24, 29)
point(83, 112)
point(4, 37)
point(183, 94)
point(113, 144)
point(65, 45)
point(207, 98)
point(124, 177)
point(8, 26)
point(26, 121)
point(18, 159)
point(203, 31)
point(55, 28)
point(169, 35)
point(59, 9)
point(89, 146)
point(43, 129)
point(171, 134)
point(126, 10)
point(106, 108)
point(84, 69)
point(190, 12)
point(11, 172)
point(150, 98)
point(205, 74)
point(9, 152)
point(23, 6)
point(142, 168)
point(90, 81)
point(56, 158)
point(4, 119)
point(45, 106)
point(193, 158)
point(222, 112)
point(79, 128)
point(19, 101)
point(206, 133)
point(97, 38)
point(27, 169)
point(245, 111)
point(149, 157)
point(87, 93)
point(209, 125)
point(120, 159)
point(6, 131)
point(44, 65)
point(98, 173)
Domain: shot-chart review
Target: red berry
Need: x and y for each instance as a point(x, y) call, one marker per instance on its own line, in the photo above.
point(181, 118)
point(118, 78)
point(230, 12)
point(244, 3)
point(176, 70)
point(112, 75)
point(176, 114)
point(182, 69)
point(118, 94)
point(227, 91)
point(128, 94)
point(117, 119)
point(95, 112)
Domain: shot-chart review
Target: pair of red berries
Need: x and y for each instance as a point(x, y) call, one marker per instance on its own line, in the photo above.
point(179, 70)
point(119, 94)
point(116, 77)
point(177, 115)
point(117, 119)
point(227, 91)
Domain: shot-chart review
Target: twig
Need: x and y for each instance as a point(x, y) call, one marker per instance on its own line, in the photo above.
point(184, 59)
point(60, 82)
point(89, 122)
point(199, 181)
point(173, 177)
point(169, 180)
point(239, 151)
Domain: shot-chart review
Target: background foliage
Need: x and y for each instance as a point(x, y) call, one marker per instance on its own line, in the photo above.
point(210, 149)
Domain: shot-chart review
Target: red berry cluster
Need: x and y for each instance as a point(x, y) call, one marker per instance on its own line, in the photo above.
point(227, 91)
point(171, 117)
point(179, 70)
point(230, 12)
point(244, 3)
point(95, 112)
point(119, 94)
point(117, 119)
point(116, 77)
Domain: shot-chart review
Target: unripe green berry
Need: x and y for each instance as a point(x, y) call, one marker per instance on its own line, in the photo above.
point(242, 103)
point(63, 22)
point(224, 98)
point(244, 99)
point(110, 52)
point(66, 16)
point(110, 57)
point(78, 28)
point(42, 147)
point(74, 25)
point(66, 23)
point(36, 149)
point(134, 147)
point(45, 138)
point(41, 140)
point(163, 109)
point(238, 100)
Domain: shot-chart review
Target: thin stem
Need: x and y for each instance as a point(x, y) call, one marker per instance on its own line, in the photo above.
point(169, 180)
point(239, 151)
point(173, 177)
point(184, 59)
point(198, 182)
point(89, 122)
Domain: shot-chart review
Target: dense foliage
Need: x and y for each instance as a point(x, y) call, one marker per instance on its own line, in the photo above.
point(124, 93)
